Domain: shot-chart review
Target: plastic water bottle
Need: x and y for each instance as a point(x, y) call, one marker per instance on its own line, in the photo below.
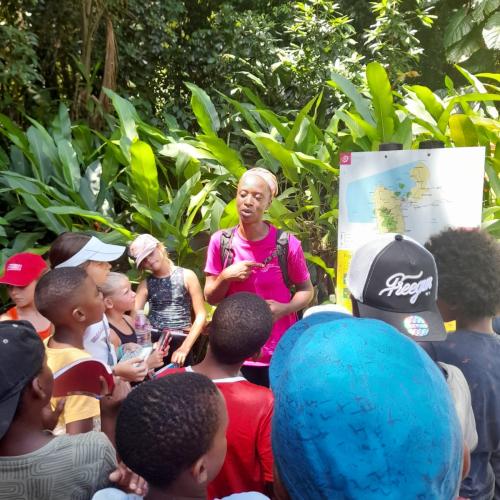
point(142, 329)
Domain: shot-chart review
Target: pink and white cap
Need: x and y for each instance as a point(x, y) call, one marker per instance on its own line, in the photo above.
point(141, 247)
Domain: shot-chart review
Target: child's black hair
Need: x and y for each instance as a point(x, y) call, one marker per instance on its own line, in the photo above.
point(240, 326)
point(165, 425)
point(56, 289)
point(65, 246)
point(468, 263)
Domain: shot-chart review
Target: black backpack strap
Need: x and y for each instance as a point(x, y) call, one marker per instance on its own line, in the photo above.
point(282, 252)
point(226, 254)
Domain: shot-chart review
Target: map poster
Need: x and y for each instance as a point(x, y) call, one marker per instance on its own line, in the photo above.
point(414, 192)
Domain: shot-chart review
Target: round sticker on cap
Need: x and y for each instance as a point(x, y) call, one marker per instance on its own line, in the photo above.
point(416, 326)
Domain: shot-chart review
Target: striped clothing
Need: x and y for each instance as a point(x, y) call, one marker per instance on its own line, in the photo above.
point(68, 467)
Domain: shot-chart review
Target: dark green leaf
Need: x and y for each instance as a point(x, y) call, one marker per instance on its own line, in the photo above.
point(459, 25)
point(204, 110)
point(462, 131)
point(360, 103)
point(143, 174)
point(382, 100)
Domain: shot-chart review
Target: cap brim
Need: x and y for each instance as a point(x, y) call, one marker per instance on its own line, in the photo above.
point(424, 326)
point(143, 255)
point(95, 250)
point(104, 252)
point(16, 281)
point(7, 411)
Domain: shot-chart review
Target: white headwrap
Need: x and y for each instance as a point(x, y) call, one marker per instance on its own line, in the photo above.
point(268, 177)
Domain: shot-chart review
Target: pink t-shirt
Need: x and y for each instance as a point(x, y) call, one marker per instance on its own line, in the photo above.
point(266, 282)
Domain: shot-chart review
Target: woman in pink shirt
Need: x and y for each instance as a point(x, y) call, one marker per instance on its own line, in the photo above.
point(255, 266)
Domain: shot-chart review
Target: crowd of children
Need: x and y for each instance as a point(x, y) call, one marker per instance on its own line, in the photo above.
point(383, 403)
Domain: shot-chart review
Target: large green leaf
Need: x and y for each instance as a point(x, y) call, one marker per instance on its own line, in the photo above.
point(286, 158)
point(14, 133)
point(109, 173)
point(493, 76)
point(322, 168)
point(282, 216)
point(492, 171)
point(229, 217)
point(290, 139)
point(204, 110)
point(196, 203)
point(257, 101)
point(463, 131)
point(463, 49)
point(478, 85)
point(19, 162)
point(69, 163)
point(174, 149)
point(157, 224)
point(216, 211)
point(483, 8)
point(430, 100)
point(225, 155)
point(403, 133)
point(491, 32)
point(24, 241)
point(368, 130)
point(88, 214)
point(274, 120)
point(459, 25)
point(44, 153)
point(472, 97)
point(382, 100)
point(361, 104)
point(32, 186)
point(41, 205)
point(244, 111)
point(127, 115)
point(315, 259)
point(61, 125)
point(181, 200)
point(143, 174)
point(90, 185)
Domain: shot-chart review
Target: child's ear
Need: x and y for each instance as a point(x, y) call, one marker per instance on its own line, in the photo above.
point(199, 470)
point(108, 303)
point(38, 389)
point(78, 315)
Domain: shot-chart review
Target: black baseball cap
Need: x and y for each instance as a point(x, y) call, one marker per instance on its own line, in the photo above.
point(394, 278)
point(21, 359)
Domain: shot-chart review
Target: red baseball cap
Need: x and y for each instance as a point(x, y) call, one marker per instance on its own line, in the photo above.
point(22, 269)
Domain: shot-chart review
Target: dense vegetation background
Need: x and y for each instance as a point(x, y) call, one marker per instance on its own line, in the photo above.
point(122, 116)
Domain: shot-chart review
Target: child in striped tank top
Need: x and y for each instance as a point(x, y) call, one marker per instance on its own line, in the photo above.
point(171, 292)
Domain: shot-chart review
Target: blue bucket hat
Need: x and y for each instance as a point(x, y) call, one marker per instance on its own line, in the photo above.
point(361, 412)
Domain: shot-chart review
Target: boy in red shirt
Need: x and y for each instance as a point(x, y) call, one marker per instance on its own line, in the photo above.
point(240, 327)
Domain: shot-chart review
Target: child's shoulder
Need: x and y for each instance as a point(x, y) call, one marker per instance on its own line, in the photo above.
point(57, 357)
point(93, 440)
point(246, 390)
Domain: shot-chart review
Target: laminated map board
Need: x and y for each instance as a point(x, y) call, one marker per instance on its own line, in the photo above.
point(414, 192)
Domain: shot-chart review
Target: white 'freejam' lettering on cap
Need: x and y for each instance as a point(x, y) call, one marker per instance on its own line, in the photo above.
point(397, 284)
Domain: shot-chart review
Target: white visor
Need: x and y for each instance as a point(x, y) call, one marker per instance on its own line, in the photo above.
point(96, 250)
point(326, 308)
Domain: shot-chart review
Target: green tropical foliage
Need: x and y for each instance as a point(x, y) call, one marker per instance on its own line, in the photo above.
point(472, 35)
point(179, 185)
